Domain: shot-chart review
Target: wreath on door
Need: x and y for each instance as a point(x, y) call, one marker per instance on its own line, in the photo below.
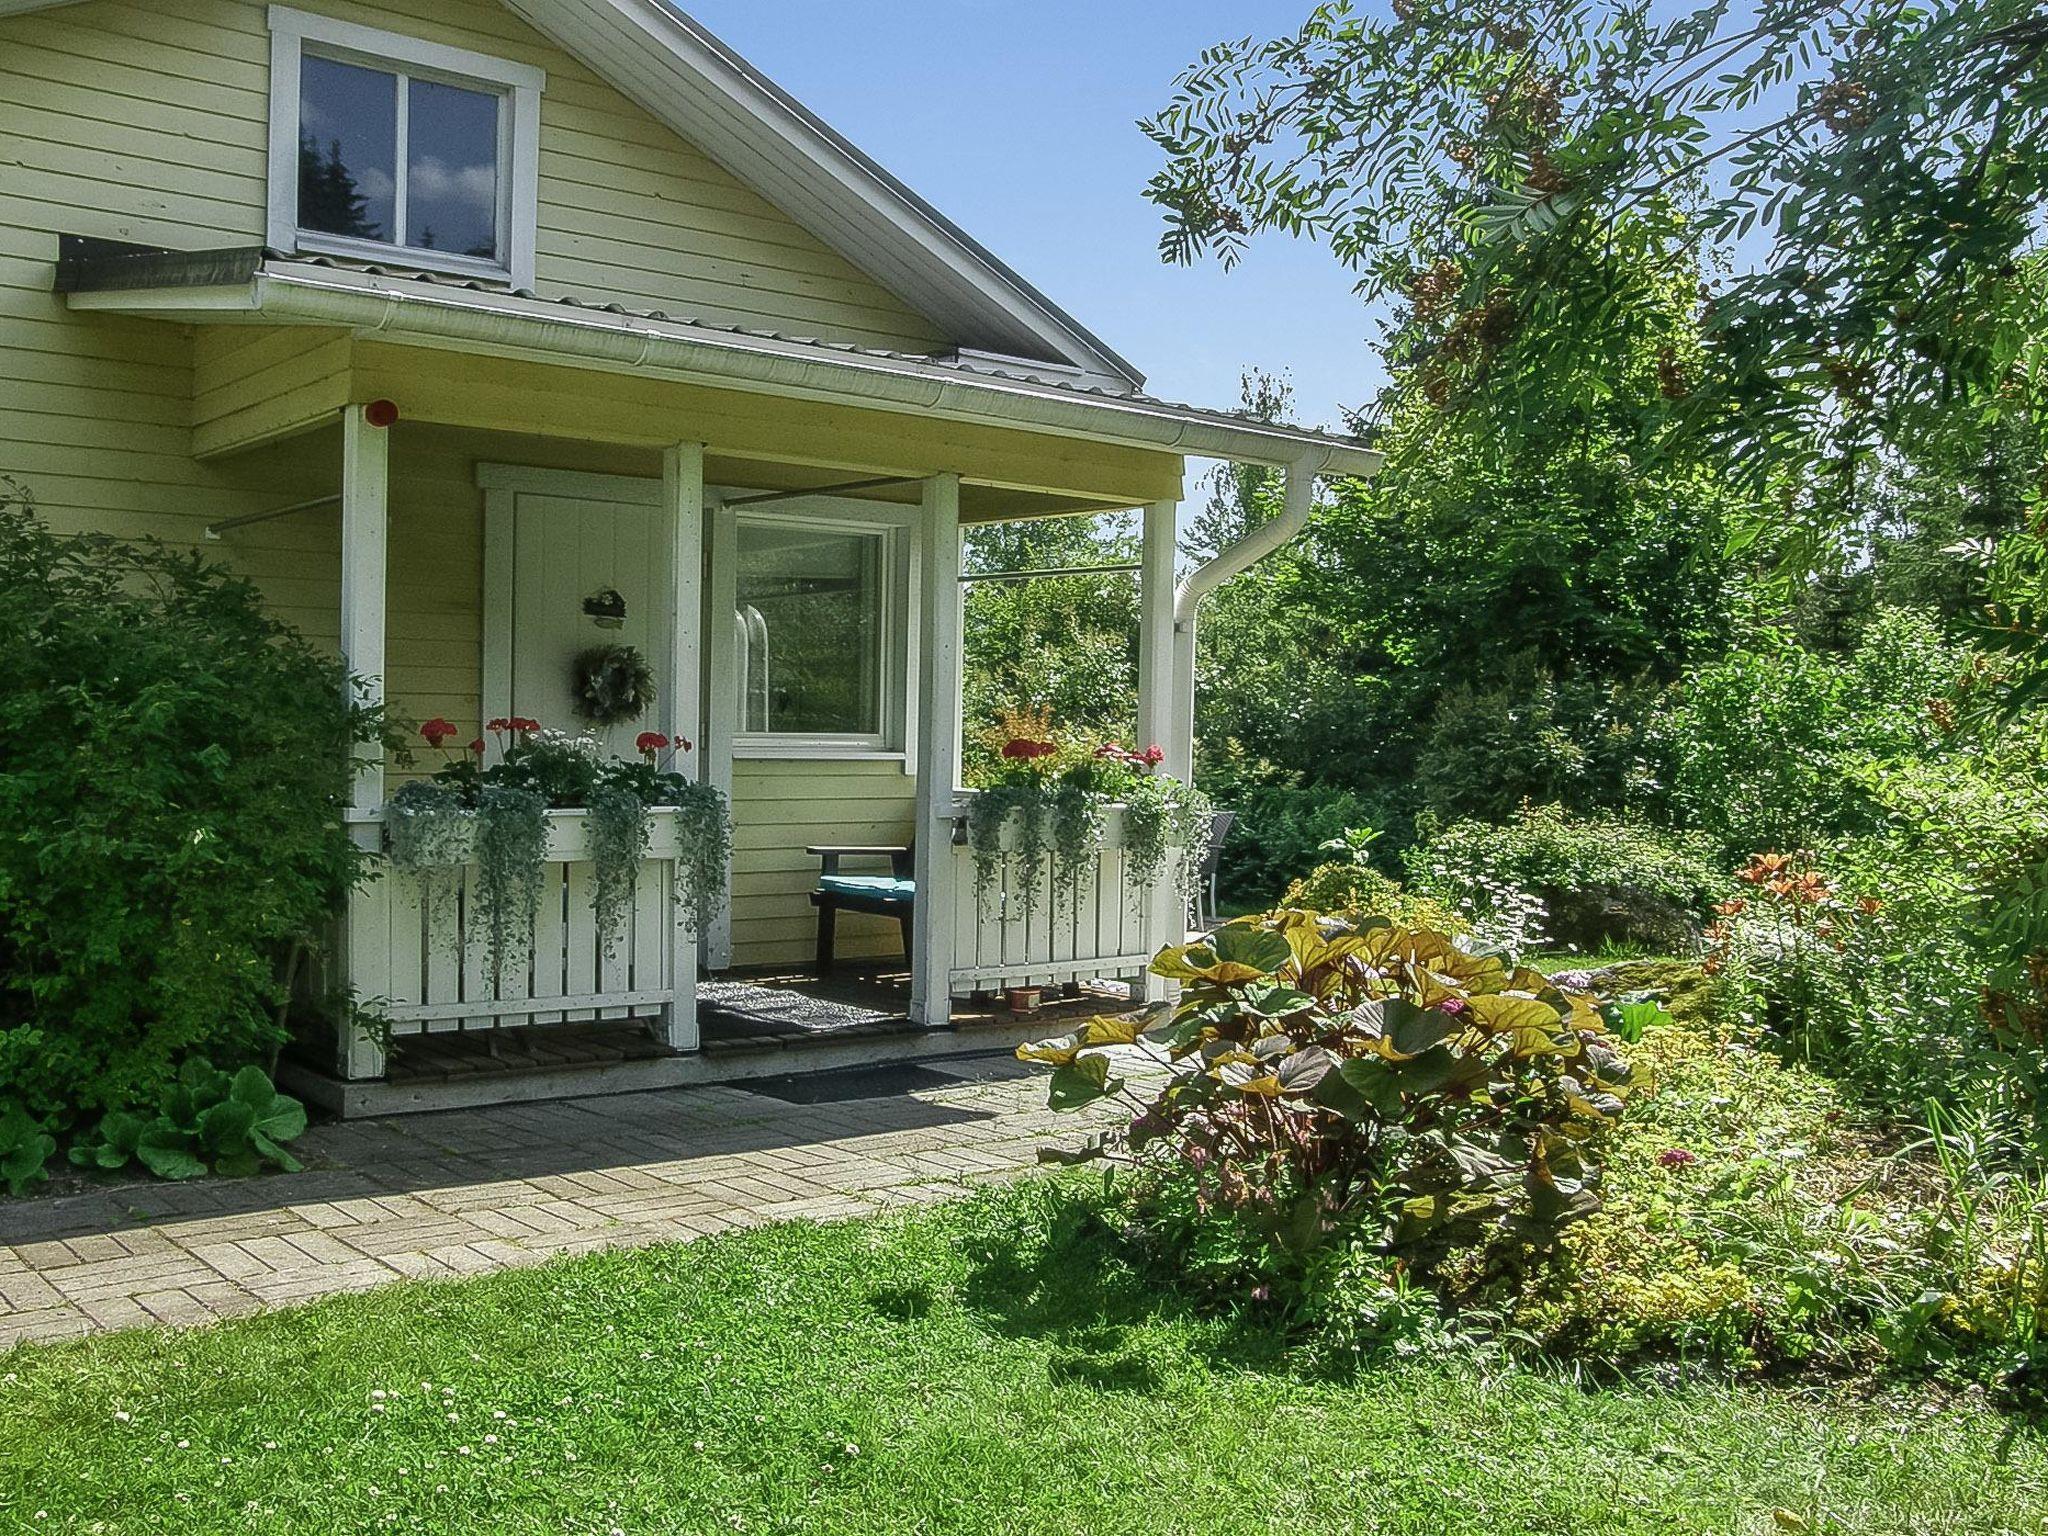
point(614, 684)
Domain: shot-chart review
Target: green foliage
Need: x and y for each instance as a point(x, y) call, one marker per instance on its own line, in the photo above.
point(1356, 889)
point(206, 1121)
point(1770, 746)
point(1331, 1082)
point(1912, 962)
point(703, 848)
point(1752, 1219)
point(1574, 881)
point(1575, 743)
point(1894, 155)
point(25, 1146)
point(619, 830)
point(1066, 646)
point(173, 761)
point(511, 862)
point(1281, 835)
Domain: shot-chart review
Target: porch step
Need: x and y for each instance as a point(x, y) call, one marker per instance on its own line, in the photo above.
point(354, 1101)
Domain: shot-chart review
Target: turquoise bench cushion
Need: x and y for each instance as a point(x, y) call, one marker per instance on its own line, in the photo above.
point(869, 887)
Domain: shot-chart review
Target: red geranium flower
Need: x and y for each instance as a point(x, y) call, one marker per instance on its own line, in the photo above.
point(650, 742)
point(684, 744)
point(499, 724)
point(436, 731)
point(521, 724)
point(477, 746)
point(1154, 756)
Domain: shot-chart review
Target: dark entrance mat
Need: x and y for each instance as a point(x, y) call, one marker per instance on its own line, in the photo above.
point(889, 1081)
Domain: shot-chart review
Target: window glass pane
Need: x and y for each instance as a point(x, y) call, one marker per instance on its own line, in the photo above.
point(348, 149)
point(451, 187)
point(810, 630)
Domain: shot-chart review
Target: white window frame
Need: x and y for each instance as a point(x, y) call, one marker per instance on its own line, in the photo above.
point(293, 33)
point(890, 740)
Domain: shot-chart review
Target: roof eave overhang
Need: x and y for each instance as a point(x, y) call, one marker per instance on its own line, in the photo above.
point(677, 69)
point(410, 311)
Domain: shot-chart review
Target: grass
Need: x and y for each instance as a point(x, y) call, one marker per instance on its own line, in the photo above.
point(985, 1367)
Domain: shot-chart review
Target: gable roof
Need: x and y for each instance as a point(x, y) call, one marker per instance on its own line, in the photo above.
point(676, 70)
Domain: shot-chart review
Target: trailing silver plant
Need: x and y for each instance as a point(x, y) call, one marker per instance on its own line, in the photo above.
point(1166, 833)
point(430, 834)
point(1076, 818)
point(1060, 826)
point(619, 829)
point(511, 860)
point(703, 852)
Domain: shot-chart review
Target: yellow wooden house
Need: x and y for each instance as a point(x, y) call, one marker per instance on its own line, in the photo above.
point(462, 325)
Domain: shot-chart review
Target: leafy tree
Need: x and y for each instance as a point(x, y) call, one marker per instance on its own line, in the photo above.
point(1890, 156)
point(1481, 623)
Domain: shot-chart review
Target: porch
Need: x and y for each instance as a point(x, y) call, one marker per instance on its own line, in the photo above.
point(452, 486)
point(418, 1016)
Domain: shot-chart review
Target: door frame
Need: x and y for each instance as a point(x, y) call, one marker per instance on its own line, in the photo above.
point(503, 485)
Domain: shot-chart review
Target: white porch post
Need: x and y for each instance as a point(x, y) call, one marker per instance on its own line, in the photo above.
point(722, 693)
point(1158, 715)
point(938, 739)
point(682, 496)
point(365, 536)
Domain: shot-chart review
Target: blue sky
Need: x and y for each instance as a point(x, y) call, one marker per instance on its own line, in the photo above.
point(1018, 121)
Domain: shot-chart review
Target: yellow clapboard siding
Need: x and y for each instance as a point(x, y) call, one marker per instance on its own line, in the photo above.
point(148, 123)
point(781, 807)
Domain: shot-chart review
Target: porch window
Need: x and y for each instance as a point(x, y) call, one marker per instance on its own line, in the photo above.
point(815, 614)
point(385, 147)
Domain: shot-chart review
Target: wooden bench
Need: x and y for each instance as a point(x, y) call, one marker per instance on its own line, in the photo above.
point(893, 895)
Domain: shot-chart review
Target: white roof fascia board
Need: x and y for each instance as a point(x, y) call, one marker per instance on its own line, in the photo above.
point(419, 313)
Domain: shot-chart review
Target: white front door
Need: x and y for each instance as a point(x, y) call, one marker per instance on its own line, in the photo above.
point(574, 563)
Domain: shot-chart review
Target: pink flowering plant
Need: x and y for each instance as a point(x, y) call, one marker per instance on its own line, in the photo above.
point(1042, 809)
point(1324, 1084)
point(491, 811)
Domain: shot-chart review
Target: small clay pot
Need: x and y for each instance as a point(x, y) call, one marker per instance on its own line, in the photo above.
point(1024, 999)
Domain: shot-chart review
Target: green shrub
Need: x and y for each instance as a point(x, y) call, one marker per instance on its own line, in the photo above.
point(1576, 743)
point(1752, 1218)
point(1768, 747)
point(1281, 835)
point(1331, 1084)
point(1914, 963)
point(25, 1147)
point(207, 1121)
point(172, 767)
point(1578, 883)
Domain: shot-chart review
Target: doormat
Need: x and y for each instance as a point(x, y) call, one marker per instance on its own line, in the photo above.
point(778, 1011)
point(889, 1081)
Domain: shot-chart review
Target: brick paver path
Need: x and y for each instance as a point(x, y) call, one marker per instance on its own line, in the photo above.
point(476, 1190)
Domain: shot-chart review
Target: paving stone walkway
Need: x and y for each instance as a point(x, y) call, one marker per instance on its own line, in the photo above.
point(477, 1190)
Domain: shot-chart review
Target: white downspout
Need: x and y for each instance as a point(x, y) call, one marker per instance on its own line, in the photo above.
point(1298, 501)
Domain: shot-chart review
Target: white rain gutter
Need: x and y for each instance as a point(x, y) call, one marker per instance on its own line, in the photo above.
point(1298, 501)
point(409, 310)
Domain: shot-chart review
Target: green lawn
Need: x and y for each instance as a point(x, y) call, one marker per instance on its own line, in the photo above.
point(942, 1371)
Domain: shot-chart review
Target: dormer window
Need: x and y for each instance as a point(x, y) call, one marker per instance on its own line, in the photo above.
point(389, 149)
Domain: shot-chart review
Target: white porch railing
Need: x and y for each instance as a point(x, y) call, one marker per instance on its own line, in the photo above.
point(1108, 930)
point(415, 960)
